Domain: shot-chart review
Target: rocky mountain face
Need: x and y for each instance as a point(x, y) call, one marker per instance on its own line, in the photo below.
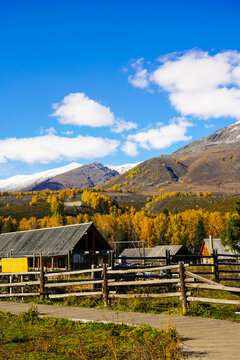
point(226, 137)
point(154, 173)
point(88, 175)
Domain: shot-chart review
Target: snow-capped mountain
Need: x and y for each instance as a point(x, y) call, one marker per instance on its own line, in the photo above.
point(85, 176)
point(26, 182)
point(21, 182)
point(122, 168)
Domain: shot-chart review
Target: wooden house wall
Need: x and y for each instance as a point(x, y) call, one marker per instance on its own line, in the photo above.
point(55, 262)
point(204, 252)
point(92, 240)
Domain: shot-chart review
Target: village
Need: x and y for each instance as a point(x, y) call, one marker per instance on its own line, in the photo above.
point(80, 249)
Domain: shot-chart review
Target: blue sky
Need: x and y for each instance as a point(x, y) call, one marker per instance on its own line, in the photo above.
point(131, 79)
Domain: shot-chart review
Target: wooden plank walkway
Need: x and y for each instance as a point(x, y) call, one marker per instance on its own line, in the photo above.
point(202, 338)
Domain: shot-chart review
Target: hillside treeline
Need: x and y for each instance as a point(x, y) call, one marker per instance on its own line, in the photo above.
point(130, 225)
point(123, 223)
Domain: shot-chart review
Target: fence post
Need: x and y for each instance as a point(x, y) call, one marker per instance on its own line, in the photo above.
point(123, 261)
point(168, 262)
point(10, 281)
point(42, 278)
point(215, 265)
point(93, 277)
point(182, 285)
point(105, 286)
point(69, 260)
point(143, 248)
point(109, 258)
point(112, 259)
point(21, 279)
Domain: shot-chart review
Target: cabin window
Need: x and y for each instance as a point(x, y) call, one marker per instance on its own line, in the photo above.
point(82, 258)
point(61, 262)
point(76, 258)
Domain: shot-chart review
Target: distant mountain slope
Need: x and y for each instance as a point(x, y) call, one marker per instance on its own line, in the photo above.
point(85, 176)
point(24, 182)
point(154, 173)
point(218, 167)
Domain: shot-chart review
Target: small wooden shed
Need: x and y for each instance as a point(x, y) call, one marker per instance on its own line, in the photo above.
point(210, 244)
point(72, 246)
point(158, 251)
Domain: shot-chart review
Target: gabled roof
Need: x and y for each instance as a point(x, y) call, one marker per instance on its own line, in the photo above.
point(156, 251)
point(135, 252)
point(217, 245)
point(160, 250)
point(52, 241)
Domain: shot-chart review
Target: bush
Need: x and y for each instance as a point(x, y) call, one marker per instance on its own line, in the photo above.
point(30, 316)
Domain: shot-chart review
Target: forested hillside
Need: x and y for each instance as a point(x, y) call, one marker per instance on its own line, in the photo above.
point(118, 222)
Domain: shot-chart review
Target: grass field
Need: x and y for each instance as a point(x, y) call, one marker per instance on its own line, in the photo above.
point(26, 336)
point(167, 306)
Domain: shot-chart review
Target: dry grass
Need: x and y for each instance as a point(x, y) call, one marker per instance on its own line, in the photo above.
point(26, 336)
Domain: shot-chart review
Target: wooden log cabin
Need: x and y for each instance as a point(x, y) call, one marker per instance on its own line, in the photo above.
point(209, 245)
point(65, 247)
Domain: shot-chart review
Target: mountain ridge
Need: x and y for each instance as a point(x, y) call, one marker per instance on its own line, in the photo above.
point(226, 136)
point(29, 182)
point(86, 176)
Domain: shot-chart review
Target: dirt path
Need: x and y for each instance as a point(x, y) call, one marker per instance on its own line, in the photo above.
point(203, 338)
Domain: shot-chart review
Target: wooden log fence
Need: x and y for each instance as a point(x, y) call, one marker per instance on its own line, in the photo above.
point(218, 264)
point(109, 283)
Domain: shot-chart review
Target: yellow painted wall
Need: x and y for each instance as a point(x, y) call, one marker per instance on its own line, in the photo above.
point(15, 265)
point(204, 251)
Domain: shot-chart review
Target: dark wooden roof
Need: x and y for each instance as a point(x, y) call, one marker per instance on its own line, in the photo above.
point(156, 251)
point(52, 241)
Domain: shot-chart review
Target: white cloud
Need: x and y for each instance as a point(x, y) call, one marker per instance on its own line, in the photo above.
point(67, 132)
point(78, 109)
point(140, 79)
point(45, 149)
point(199, 84)
point(122, 125)
point(163, 136)
point(209, 126)
point(130, 148)
point(49, 131)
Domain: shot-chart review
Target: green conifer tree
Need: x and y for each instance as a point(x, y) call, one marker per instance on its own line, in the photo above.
point(231, 234)
point(199, 234)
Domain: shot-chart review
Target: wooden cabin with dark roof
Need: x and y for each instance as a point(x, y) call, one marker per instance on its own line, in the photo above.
point(176, 252)
point(72, 246)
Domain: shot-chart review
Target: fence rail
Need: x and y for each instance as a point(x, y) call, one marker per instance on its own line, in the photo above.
point(109, 283)
point(221, 266)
